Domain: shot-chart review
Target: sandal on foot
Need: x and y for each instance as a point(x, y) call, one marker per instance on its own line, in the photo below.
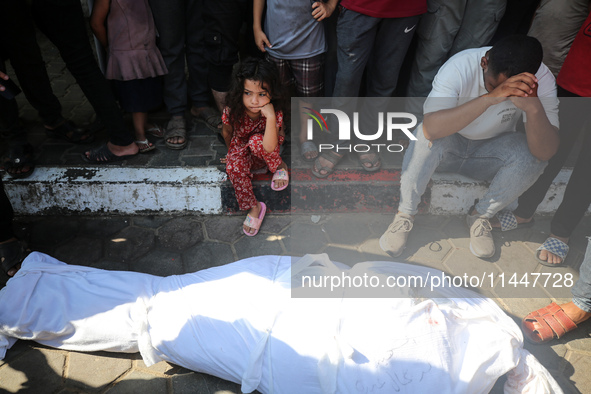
point(545, 324)
point(12, 253)
point(508, 222)
point(331, 156)
point(556, 247)
point(20, 156)
point(145, 146)
point(376, 163)
point(156, 131)
point(210, 117)
point(255, 222)
point(103, 155)
point(68, 131)
point(280, 175)
point(308, 147)
point(176, 128)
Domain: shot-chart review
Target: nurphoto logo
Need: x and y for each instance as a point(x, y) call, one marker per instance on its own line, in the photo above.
point(390, 119)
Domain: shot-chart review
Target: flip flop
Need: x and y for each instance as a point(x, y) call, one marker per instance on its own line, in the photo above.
point(509, 222)
point(68, 131)
point(102, 155)
point(210, 117)
point(19, 157)
point(376, 160)
point(331, 156)
point(556, 247)
point(156, 131)
point(546, 324)
point(12, 253)
point(307, 147)
point(280, 175)
point(255, 222)
point(147, 145)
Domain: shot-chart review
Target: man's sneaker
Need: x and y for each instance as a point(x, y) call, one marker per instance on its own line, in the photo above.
point(481, 239)
point(394, 239)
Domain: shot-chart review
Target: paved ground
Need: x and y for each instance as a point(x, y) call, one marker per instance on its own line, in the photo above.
point(174, 245)
point(164, 245)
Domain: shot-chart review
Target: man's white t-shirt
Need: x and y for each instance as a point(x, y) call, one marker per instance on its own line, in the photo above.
point(461, 79)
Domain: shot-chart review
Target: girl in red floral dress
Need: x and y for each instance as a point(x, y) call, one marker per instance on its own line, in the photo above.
point(253, 131)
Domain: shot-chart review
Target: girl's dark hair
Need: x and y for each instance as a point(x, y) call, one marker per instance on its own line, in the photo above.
point(261, 71)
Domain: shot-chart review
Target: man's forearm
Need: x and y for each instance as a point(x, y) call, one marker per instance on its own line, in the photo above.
point(446, 122)
point(542, 137)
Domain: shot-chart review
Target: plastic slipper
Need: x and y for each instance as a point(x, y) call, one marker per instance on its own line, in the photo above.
point(156, 131)
point(210, 117)
point(545, 324)
point(20, 156)
point(103, 155)
point(255, 222)
point(68, 131)
point(308, 147)
point(373, 162)
point(12, 253)
point(280, 175)
point(146, 144)
point(331, 156)
point(556, 247)
point(176, 128)
point(509, 222)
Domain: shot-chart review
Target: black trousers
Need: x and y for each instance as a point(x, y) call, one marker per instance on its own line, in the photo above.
point(6, 215)
point(64, 24)
point(577, 196)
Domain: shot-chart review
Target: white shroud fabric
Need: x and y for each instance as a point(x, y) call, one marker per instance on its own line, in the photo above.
point(239, 322)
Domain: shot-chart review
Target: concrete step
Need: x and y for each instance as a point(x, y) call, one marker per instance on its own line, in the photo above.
point(206, 190)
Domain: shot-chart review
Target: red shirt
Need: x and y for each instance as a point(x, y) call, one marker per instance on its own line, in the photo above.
point(387, 8)
point(574, 75)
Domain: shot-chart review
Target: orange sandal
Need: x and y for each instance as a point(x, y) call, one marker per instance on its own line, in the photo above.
point(545, 324)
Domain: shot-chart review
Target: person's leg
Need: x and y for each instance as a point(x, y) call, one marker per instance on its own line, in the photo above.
point(18, 39)
point(197, 85)
point(238, 168)
point(507, 163)
point(65, 27)
point(356, 36)
point(420, 161)
point(12, 251)
point(582, 289)
point(571, 126)
point(393, 38)
point(223, 21)
point(6, 215)
point(272, 159)
point(308, 75)
point(171, 22)
point(436, 33)
point(479, 24)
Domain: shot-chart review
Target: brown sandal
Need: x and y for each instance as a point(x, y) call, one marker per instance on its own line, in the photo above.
point(546, 324)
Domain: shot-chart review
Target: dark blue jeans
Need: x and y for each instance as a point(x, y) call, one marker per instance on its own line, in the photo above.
point(181, 28)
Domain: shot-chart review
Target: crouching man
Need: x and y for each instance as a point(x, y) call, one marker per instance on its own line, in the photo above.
point(469, 128)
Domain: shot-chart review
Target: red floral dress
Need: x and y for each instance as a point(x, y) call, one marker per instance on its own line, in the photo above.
point(246, 153)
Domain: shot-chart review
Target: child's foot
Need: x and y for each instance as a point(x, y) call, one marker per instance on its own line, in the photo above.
point(254, 219)
point(549, 257)
point(280, 183)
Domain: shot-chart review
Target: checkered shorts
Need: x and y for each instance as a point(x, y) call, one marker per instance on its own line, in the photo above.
point(306, 74)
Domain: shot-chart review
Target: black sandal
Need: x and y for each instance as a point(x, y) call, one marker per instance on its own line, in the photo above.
point(12, 253)
point(20, 156)
point(68, 131)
